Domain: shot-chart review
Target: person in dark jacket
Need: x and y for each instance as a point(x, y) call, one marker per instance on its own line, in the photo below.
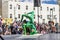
point(1, 33)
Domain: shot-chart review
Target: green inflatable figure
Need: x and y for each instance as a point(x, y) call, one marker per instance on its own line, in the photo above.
point(28, 26)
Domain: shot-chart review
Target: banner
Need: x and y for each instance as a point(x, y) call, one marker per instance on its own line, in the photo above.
point(22, 0)
point(49, 1)
point(7, 20)
point(26, 0)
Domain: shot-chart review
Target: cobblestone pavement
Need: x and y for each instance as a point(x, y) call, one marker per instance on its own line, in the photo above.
point(53, 36)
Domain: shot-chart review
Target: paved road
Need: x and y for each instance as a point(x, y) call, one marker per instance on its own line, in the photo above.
point(10, 37)
point(52, 36)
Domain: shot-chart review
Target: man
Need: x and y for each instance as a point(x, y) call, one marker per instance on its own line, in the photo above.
point(1, 33)
point(1, 29)
point(28, 26)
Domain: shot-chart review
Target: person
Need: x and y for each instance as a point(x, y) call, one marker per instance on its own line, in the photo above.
point(1, 37)
point(38, 26)
point(43, 31)
point(49, 24)
point(1, 30)
point(7, 30)
point(1, 33)
point(53, 28)
point(11, 28)
point(57, 27)
point(47, 28)
point(20, 30)
point(28, 25)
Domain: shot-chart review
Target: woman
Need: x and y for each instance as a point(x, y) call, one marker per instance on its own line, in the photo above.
point(7, 31)
point(53, 28)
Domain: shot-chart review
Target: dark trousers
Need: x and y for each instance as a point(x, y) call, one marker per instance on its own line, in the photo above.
point(1, 38)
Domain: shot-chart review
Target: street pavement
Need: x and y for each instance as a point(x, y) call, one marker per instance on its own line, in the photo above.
point(51, 36)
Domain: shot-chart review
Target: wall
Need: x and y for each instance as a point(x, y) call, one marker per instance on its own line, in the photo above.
point(20, 11)
point(5, 9)
point(23, 10)
point(55, 11)
point(0, 7)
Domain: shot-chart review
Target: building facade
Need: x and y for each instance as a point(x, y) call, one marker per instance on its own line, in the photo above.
point(59, 9)
point(14, 9)
point(0, 7)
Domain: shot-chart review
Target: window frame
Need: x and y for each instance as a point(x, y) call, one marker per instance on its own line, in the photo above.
point(10, 6)
point(10, 15)
point(47, 8)
point(18, 15)
point(18, 7)
point(26, 7)
point(40, 8)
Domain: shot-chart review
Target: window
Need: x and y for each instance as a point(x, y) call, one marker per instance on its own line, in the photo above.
point(41, 16)
point(48, 16)
point(38, 15)
point(34, 16)
point(10, 6)
point(18, 6)
point(34, 8)
point(53, 8)
point(47, 8)
point(54, 16)
point(10, 15)
point(43, 20)
point(26, 7)
point(15, 0)
point(11, 0)
point(59, 9)
point(41, 8)
point(18, 15)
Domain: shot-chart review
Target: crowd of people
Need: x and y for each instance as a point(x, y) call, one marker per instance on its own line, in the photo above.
point(13, 28)
point(47, 28)
point(16, 28)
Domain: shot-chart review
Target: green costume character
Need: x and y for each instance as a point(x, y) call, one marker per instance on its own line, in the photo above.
point(28, 26)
